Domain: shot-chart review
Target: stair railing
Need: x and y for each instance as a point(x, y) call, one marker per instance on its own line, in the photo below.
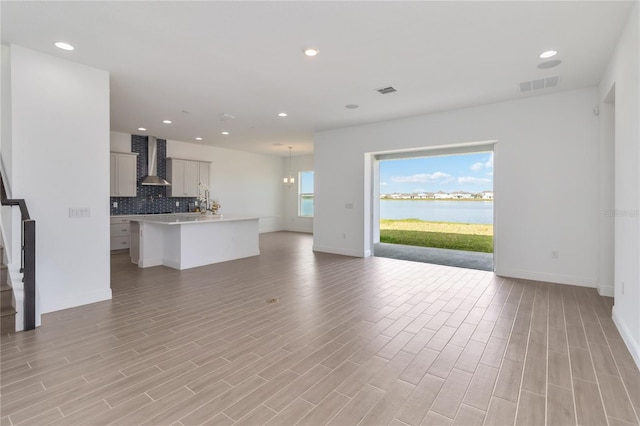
point(27, 257)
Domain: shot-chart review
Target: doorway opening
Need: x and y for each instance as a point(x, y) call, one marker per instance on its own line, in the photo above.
point(436, 207)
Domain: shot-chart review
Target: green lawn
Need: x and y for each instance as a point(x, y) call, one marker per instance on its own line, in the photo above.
point(456, 236)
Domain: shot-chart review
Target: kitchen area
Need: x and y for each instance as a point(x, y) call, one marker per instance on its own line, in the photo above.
point(162, 212)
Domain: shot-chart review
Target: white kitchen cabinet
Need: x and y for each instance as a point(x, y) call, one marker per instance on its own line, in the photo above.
point(185, 176)
point(120, 232)
point(123, 174)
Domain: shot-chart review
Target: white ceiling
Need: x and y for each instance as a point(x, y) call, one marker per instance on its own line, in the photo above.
point(245, 59)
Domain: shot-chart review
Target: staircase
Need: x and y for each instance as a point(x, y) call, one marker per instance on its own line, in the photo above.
point(7, 301)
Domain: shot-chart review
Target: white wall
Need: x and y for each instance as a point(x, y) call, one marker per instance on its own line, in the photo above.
point(546, 180)
point(120, 142)
point(10, 241)
point(245, 183)
point(60, 160)
point(623, 72)
point(293, 222)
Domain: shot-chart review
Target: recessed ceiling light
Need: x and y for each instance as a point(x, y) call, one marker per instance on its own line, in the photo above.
point(142, 129)
point(64, 46)
point(548, 54)
point(282, 114)
point(311, 52)
point(166, 121)
point(198, 139)
point(351, 106)
point(225, 133)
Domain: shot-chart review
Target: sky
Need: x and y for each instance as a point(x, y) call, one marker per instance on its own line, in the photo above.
point(306, 182)
point(467, 172)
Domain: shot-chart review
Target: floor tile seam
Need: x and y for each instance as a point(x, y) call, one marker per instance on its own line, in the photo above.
point(40, 401)
point(618, 369)
point(290, 402)
point(7, 419)
point(339, 392)
point(593, 365)
point(526, 352)
point(403, 423)
point(4, 384)
point(495, 385)
point(461, 400)
point(168, 380)
point(219, 414)
point(264, 404)
point(232, 386)
point(4, 402)
point(546, 387)
point(208, 401)
point(349, 402)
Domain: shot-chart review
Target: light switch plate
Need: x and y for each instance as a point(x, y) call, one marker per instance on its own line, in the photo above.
point(78, 212)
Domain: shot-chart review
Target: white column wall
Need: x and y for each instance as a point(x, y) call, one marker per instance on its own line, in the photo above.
point(623, 73)
point(546, 180)
point(60, 160)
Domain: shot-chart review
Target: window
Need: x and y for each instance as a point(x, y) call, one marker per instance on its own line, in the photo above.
point(305, 194)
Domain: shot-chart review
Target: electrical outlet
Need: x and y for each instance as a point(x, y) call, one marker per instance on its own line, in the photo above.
point(555, 254)
point(115, 204)
point(177, 203)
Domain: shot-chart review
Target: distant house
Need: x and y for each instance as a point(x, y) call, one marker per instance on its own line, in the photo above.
point(487, 195)
point(459, 195)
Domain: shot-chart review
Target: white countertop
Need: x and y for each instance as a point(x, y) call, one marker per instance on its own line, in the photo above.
point(184, 219)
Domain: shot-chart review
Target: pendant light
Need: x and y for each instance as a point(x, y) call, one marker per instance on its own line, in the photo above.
point(289, 181)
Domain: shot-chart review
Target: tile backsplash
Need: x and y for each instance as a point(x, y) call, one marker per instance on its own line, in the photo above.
point(150, 199)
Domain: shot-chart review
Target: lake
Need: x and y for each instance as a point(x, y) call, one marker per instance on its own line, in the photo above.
point(306, 206)
point(438, 211)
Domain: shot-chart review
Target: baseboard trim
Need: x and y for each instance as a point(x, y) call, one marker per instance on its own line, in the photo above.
point(550, 278)
point(631, 343)
point(607, 291)
point(78, 300)
point(298, 229)
point(342, 252)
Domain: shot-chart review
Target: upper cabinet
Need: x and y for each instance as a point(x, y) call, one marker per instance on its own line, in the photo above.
point(123, 174)
point(186, 176)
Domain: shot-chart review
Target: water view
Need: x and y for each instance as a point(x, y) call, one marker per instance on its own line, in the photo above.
point(306, 206)
point(480, 212)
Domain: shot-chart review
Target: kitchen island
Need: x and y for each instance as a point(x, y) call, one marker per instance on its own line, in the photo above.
point(183, 242)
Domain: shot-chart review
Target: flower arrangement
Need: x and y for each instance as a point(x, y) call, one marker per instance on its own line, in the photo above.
point(203, 200)
point(215, 206)
point(203, 196)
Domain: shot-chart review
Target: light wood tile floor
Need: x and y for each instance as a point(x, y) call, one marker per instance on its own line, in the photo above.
point(351, 341)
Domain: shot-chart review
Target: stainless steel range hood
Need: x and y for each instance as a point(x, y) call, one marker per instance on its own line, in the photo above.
point(152, 178)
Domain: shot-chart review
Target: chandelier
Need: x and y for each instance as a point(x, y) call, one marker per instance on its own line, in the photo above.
point(289, 181)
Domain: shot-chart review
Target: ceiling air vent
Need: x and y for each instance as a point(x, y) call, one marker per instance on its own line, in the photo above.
point(543, 83)
point(386, 90)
